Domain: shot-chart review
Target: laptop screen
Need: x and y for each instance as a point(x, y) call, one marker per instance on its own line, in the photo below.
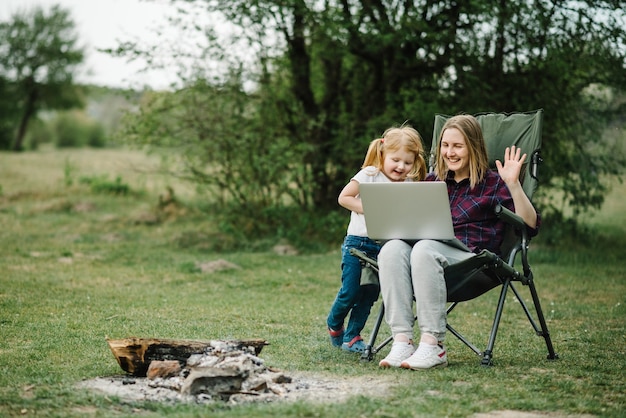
point(407, 210)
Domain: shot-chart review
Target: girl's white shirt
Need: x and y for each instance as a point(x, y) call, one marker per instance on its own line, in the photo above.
point(369, 174)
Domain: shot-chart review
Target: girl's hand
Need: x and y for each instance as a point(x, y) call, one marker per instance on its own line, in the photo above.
point(513, 163)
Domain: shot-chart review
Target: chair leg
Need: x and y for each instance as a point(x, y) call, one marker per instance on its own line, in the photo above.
point(464, 340)
point(370, 349)
point(526, 310)
point(543, 331)
point(488, 353)
point(542, 321)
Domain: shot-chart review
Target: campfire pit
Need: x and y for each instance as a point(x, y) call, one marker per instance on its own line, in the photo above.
point(215, 371)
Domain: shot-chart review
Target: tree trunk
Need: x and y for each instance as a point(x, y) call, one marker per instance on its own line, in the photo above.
point(29, 112)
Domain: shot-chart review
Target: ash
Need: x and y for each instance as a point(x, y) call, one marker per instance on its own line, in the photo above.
point(229, 375)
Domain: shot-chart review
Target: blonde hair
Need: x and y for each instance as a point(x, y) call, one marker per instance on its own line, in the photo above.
point(394, 139)
point(477, 152)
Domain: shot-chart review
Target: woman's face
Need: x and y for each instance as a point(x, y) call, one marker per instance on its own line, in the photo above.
point(398, 164)
point(455, 153)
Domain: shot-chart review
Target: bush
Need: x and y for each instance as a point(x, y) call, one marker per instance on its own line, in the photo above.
point(74, 130)
point(96, 136)
point(310, 231)
point(39, 132)
point(101, 184)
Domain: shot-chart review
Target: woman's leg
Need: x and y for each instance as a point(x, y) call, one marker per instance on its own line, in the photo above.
point(396, 287)
point(428, 260)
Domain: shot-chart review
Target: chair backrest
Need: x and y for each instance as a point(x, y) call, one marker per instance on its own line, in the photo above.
point(502, 130)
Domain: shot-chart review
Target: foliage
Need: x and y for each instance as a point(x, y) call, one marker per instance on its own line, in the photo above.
point(102, 184)
point(106, 106)
point(330, 79)
point(310, 231)
point(39, 132)
point(96, 136)
point(66, 129)
point(75, 129)
point(352, 63)
point(38, 57)
point(231, 144)
point(68, 173)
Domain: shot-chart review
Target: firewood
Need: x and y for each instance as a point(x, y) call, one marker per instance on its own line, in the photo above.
point(134, 355)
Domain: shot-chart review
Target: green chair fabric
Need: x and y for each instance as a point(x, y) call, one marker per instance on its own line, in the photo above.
point(502, 130)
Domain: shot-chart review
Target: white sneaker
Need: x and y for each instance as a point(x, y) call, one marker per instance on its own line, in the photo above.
point(400, 351)
point(426, 357)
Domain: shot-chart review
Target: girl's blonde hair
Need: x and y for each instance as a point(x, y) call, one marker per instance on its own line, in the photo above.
point(395, 139)
point(477, 152)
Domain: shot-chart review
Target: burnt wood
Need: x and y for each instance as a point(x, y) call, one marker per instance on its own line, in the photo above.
point(134, 355)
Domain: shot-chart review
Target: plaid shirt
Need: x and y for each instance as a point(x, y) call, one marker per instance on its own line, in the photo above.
point(475, 222)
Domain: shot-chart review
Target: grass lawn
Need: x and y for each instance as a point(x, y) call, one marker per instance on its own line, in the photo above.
point(78, 266)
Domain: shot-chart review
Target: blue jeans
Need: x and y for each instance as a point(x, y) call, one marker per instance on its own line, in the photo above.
point(353, 298)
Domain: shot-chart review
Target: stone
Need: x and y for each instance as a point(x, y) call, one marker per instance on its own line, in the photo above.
point(163, 368)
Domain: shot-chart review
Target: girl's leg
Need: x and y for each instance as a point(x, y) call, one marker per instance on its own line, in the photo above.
point(350, 283)
point(360, 312)
point(366, 296)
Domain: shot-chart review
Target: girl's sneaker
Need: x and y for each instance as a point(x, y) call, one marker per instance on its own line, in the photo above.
point(355, 346)
point(400, 351)
point(336, 337)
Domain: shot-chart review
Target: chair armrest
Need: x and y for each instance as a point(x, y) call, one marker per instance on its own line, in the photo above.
point(520, 226)
point(510, 217)
point(365, 260)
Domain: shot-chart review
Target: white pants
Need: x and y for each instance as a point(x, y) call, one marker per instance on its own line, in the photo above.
point(408, 273)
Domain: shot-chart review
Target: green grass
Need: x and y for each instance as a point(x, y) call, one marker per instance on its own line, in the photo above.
point(77, 267)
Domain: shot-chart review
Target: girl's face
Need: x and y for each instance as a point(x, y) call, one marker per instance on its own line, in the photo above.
point(455, 153)
point(398, 164)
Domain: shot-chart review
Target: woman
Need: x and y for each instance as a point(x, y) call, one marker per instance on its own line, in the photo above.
point(417, 271)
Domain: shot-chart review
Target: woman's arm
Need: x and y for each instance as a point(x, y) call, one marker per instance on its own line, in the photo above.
point(348, 197)
point(510, 171)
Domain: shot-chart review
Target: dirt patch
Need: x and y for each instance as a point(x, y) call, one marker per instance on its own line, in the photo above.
point(217, 265)
point(217, 371)
point(519, 414)
point(308, 387)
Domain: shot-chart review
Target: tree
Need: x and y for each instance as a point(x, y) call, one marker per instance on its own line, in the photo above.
point(549, 54)
point(345, 70)
point(39, 54)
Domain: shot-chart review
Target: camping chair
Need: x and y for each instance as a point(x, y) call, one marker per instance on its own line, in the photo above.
point(485, 271)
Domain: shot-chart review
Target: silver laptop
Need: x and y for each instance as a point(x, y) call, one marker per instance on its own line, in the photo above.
point(408, 210)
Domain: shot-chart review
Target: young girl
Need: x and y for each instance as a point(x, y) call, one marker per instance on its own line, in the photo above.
point(397, 156)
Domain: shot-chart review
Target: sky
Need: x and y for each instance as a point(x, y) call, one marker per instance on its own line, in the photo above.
point(102, 24)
